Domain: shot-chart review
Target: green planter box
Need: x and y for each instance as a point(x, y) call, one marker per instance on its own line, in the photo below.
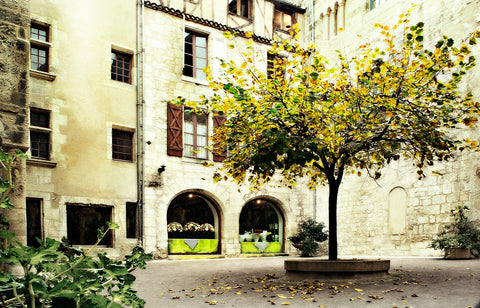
point(272, 247)
point(202, 246)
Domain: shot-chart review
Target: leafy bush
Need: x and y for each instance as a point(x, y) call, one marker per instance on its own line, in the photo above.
point(57, 275)
point(461, 233)
point(310, 232)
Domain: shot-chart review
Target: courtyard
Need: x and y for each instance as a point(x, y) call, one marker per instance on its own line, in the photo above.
point(262, 282)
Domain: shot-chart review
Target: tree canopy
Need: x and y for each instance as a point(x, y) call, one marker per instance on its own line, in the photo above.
point(308, 117)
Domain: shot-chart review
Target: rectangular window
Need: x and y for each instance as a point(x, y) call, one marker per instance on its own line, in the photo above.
point(195, 134)
point(122, 145)
point(40, 134)
point(34, 222)
point(240, 7)
point(195, 55)
point(83, 221)
point(39, 47)
point(132, 219)
point(121, 69)
point(283, 19)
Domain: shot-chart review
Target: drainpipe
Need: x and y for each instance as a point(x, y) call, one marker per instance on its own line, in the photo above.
point(312, 20)
point(140, 120)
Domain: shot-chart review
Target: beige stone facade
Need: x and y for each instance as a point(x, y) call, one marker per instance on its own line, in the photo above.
point(86, 108)
point(399, 215)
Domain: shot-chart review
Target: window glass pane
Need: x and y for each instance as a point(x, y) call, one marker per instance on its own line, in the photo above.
point(188, 71)
point(200, 74)
point(83, 222)
point(201, 41)
point(201, 63)
point(244, 8)
point(188, 127)
point(188, 49)
point(232, 6)
point(189, 60)
point(188, 150)
point(201, 141)
point(188, 37)
point(200, 52)
point(203, 153)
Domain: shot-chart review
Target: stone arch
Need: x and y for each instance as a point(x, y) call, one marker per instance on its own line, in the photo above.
point(397, 210)
point(262, 221)
point(199, 206)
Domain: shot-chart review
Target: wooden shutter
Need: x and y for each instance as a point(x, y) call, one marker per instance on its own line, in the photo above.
point(174, 130)
point(219, 154)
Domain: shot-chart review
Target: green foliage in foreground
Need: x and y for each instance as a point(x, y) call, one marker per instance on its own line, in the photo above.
point(57, 275)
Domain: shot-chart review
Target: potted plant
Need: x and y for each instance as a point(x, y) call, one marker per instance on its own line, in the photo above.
point(459, 239)
point(310, 233)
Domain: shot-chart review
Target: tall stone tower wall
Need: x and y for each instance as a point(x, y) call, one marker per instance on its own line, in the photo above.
point(14, 70)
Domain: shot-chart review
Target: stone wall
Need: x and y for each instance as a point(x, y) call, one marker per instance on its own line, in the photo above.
point(14, 61)
point(383, 224)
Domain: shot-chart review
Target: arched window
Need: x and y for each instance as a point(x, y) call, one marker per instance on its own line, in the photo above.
point(261, 227)
point(192, 208)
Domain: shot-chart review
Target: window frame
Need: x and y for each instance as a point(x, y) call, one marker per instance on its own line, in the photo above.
point(283, 12)
point(376, 3)
point(195, 59)
point(117, 154)
point(238, 9)
point(195, 136)
point(40, 43)
point(124, 58)
point(40, 130)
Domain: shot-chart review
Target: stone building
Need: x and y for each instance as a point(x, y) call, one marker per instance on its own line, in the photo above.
point(104, 144)
point(14, 29)
point(399, 215)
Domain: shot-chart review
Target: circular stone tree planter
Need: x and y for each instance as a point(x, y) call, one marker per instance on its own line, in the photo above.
point(351, 268)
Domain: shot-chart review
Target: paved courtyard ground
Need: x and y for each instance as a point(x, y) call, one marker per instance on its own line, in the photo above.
point(262, 282)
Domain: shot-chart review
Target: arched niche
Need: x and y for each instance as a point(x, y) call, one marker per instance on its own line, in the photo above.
point(397, 210)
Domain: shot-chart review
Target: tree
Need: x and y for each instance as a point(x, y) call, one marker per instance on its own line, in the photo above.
point(309, 118)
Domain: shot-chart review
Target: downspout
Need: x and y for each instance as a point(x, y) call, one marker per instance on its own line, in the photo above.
point(312, 20)
point(140, 121)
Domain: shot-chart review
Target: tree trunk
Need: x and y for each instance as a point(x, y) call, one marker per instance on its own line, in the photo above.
point(334, 186)
point(332, 220)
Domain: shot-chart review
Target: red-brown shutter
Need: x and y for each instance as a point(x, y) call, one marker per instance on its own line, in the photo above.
point(219, 154)
point(174, 130)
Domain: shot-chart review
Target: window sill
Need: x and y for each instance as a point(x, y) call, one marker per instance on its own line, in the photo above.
point(41, 163)
point(202, 82)
point(42, 75)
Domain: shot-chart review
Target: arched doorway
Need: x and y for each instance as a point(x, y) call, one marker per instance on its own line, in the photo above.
point(193, 224)
point(261, 227)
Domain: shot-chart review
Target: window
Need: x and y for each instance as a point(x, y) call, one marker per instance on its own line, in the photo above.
point(122, 145)
point(187, 134)
point(83, 221)
point(275, 66)
point(40, 134)
point(195, 134)
point(39, 47)
point(375, 3)
point(132, 219)
point(34, 222)
point(240, 7)
point(283, 19)
point(121, 67)
point(195, 55)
